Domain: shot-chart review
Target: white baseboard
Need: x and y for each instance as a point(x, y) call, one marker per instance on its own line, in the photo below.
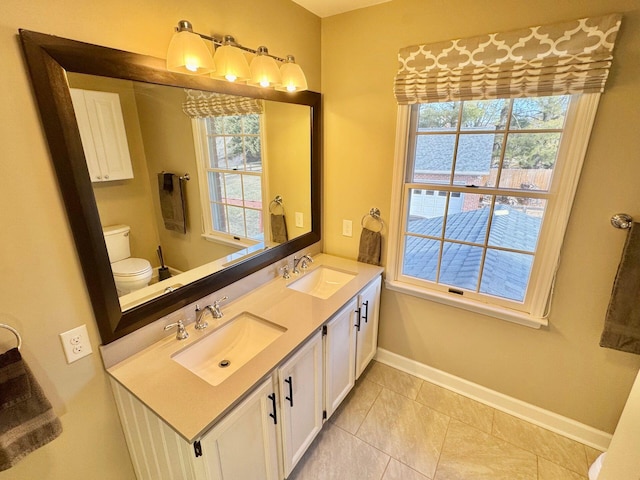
point(536, 415)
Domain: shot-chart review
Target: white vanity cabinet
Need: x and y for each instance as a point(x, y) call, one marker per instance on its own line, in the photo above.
point(300, 385)
point(244, 443)
point(340, 356)
point(103, 135)
point(268, 431)
point(367, 325)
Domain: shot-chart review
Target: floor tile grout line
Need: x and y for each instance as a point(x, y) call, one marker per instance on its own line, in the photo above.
point(526, 449)
point(491, 433)
point(386, 466)
point(444, 439)
point(355, 434)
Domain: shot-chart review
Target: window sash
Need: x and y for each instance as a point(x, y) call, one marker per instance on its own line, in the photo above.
point(533, 311)
point(202, 140)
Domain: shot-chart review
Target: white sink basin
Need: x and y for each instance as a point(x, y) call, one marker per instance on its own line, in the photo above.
point(221, 353)
point(322, 282)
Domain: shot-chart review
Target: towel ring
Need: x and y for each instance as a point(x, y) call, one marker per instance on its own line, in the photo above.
point(275, 203)
point(375, 214)
point(15, 332)
point(622, 221)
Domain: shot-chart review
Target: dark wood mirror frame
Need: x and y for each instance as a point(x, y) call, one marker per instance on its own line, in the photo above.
point(48, 59)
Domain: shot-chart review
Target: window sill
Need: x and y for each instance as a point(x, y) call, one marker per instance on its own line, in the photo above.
point(493, 311)
point(229, 241)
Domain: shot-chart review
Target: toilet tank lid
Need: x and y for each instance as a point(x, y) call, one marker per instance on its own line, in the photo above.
point(115, 229)
point(130, 267)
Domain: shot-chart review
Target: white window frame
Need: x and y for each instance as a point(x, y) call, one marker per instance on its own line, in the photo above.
point(201, 143)
point(534, 312)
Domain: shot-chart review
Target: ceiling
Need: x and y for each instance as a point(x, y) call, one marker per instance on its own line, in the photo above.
point(326, 8)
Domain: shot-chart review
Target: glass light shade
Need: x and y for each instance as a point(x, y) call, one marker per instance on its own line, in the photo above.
point(264, 70)
point(188, 53)
point(293, 79)
point(231, 64)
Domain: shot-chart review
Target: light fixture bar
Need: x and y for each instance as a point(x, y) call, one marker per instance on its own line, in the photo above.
point(185, 25)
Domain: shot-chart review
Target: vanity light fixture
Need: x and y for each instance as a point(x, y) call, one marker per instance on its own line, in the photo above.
point(188, 53)
point(264, 69)
point(293, 79)
point(229, 61)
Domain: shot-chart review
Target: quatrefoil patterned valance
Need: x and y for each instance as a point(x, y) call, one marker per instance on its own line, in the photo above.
point(564, 58)
point(199, 104)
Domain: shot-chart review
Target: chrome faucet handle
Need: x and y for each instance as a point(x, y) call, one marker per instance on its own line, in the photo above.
point(200, 323)
point(215, 308)
point(181, 334)
point(306, 258)
point(285, 272)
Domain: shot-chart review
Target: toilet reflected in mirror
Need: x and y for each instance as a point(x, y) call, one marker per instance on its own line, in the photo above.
point(129, 273)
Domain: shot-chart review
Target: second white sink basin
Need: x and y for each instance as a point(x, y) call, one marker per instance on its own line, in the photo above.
point(216, 356)
point(322, 282)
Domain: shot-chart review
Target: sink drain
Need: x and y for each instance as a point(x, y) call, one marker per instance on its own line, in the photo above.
point(224, 363)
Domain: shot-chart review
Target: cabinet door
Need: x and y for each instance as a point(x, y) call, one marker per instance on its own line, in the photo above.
point(103, 134)
point(300, 384)
point(367, 325)
point(339, 358)
point(244, 443)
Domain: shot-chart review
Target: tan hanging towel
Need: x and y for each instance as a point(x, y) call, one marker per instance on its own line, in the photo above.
point(622, 323)
point(370, 247)
point(27, 420)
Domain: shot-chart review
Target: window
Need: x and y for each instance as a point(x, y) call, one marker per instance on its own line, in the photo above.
point(504, 173)
point(232, 166)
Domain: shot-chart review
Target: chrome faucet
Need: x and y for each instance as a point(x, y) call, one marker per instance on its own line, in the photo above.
point(200, 323)
point(215, 313)
point(181, 334)
point(302, 261)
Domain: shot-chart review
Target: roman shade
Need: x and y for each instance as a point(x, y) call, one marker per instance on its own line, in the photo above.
point(563, 58)
point(200, 104)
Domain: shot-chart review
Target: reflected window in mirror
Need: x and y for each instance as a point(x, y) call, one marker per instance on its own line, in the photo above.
point(230, 158)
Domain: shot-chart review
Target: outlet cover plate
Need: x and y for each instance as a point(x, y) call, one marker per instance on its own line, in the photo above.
point(75, 343)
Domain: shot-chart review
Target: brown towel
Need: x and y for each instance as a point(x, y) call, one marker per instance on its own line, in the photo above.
point(278, 228)
point(172, 202)
point(370, 247)
point(622, 323)
point(27, 421)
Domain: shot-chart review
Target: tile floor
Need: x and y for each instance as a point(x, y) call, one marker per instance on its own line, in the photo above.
point(394, 426)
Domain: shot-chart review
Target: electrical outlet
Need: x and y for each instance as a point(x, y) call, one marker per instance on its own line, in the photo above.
point(347, 228)
point(75, 343)
point(299, 220)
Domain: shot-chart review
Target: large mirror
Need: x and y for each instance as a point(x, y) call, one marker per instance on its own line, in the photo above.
point(204, 199)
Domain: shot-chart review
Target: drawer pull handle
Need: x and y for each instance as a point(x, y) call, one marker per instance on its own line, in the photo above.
point(366, 311)
point(290, 397)
point(273, 415)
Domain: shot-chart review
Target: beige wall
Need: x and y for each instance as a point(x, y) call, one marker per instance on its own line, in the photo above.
point(43, 292)
point(560, 368)
point(288, 151)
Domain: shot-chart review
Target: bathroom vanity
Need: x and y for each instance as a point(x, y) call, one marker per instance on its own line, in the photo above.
point(245, 397)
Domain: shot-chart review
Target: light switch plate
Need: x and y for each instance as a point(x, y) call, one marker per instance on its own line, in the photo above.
point(299, 219)
point(347, 228)
point(75, 343)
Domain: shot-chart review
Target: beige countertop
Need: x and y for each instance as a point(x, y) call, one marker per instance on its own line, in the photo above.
point(188, 403)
